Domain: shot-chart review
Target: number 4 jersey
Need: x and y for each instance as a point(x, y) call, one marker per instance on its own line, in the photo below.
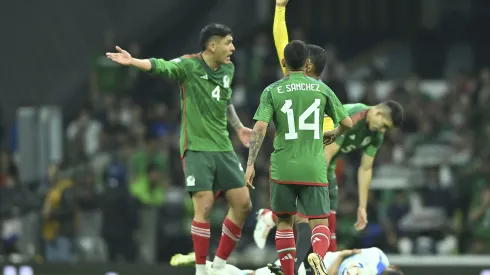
point(297, 104)
point(205, 94)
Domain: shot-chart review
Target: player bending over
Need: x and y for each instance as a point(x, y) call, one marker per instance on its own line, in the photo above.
point(297, 104)
point(210, 164)
point(317, 59)
point(369, 261)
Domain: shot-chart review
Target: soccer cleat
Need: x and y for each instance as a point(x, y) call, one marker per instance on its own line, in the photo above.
point(275, 269)
point(317, 264)
point(262, 228)
point(183, 260)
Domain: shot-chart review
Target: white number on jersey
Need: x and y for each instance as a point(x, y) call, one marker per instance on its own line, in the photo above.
point(215, 93)
point(302, 125)
point(348, 148)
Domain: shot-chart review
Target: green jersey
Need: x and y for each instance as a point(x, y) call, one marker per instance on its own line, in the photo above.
point(205, 94)
point(359, 137)
point(296, 104)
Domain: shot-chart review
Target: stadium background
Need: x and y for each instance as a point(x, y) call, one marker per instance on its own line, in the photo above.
point(73, 123)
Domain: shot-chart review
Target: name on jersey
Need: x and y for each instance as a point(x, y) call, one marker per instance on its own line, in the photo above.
point(299, 87)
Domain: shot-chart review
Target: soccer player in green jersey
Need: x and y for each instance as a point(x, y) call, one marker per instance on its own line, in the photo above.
point(370, 124)
point(297, 104)
point(210, 164)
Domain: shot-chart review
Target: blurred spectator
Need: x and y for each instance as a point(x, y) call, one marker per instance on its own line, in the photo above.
point(397, 209)
point(84, 133)
point(151, 153)
point(149, 189)
point(480, 220)
point(59, 220)
point(119, 212)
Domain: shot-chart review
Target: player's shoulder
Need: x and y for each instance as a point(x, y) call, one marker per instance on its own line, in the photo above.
point(276, 84)
point(186, 59)
point(354, 108)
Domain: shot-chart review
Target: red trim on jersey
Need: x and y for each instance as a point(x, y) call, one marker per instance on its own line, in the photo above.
point(284, 213)
point(358, 117)
point(184, 119)
point(183, 165)
point(300, 182)
point(313, 217)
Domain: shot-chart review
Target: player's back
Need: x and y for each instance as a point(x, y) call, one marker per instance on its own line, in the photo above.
point(299, 104)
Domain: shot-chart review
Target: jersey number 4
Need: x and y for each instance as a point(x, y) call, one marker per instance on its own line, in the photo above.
point(215, 93)
point(302, 125)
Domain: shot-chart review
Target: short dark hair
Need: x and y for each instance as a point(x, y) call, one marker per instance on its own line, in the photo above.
point(210, 30)
point(295, 54)
point(318, 58)
point(396, 112)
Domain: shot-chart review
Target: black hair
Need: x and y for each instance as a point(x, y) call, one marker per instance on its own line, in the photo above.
point(295, 54)
point(317, 57)
point(396, 112)
point(210, 30)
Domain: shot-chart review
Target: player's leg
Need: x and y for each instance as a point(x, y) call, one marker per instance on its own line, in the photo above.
point(303, 242)
point(333, 192)
point(283, 203)
point(314, 204)
point(229, 175)
point(199, 177)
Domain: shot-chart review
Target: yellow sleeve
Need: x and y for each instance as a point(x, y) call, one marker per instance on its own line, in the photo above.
point(280, 32)
point(328, 124)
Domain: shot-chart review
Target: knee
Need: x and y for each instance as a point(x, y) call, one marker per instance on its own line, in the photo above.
point(284, 221)
point(240, 201)
point(203, 205)
point(244, 206)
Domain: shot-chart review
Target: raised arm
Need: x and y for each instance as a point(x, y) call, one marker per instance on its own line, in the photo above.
point(280, 31)
point(172, 69)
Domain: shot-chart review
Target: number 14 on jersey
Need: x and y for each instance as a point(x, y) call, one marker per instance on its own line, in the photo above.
point(302, 124)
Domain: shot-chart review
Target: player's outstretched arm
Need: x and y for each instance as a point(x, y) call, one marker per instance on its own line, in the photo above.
point(280, 31)
point(364, 177)
point(172, 69)
point(243, 132)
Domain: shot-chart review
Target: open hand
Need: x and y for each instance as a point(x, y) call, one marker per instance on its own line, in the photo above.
point(122, 57)
point(361, 219)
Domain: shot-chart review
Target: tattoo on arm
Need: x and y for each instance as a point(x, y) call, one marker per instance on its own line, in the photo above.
point(233, 117)
point(255, 144)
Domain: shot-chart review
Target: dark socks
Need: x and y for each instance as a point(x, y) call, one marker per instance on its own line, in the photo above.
point(303, 245)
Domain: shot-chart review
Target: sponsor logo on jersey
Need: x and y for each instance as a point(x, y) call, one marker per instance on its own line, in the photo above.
point(205, 77)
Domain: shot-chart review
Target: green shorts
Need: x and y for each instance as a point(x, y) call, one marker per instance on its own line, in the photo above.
point(333, 188)
point(212, 171)
point(305, 200)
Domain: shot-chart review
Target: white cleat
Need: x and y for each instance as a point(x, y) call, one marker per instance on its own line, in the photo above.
point(263, 227)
